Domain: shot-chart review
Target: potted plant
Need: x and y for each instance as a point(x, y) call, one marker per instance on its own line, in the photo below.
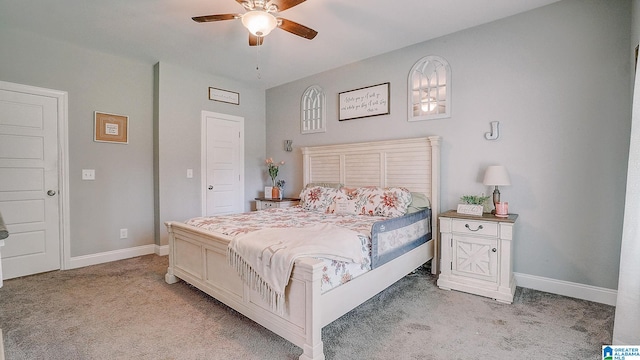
point(472, 204)
point(273, 191)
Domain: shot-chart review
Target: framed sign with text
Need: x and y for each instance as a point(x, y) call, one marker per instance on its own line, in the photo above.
point(364, 102)
point(224, 96)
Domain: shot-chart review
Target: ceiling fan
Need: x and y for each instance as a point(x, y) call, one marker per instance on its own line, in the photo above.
point(261, 17)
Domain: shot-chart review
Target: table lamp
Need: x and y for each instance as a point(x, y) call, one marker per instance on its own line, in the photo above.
point(496, 175)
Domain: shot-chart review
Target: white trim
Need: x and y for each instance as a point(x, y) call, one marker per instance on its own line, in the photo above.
point(115, 255)
point(1, 245)
point(162, 250)
point(1, 346)
point(63, 162)
point(566, 288)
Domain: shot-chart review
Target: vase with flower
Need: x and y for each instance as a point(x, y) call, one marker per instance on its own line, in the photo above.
point(273, 168)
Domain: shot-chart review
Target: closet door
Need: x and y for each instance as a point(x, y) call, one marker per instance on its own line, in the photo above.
point(29, 190)
point(222, 164)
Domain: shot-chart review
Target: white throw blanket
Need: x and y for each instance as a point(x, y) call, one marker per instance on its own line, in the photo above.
point(264, 258)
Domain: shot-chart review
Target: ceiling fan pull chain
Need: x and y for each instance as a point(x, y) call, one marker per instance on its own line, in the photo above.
point(258, 62)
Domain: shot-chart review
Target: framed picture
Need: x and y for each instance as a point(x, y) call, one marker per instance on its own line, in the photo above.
point(364, 102)
point(224, 96)
point(111, 128)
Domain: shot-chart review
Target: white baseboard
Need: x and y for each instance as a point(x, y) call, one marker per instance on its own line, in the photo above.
point(162, 250)
point(100, 258)
point(566, 288)
point(1, 346)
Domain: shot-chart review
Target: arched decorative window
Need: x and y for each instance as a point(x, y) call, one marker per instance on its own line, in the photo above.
point(429, 89)
point(313, 110)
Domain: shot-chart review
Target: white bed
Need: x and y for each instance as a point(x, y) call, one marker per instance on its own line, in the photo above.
point(199, 258)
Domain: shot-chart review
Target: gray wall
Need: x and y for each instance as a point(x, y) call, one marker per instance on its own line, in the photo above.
point(558, 81)
point(122, 194)
point(183, 94)
point(626, 330)
point(163, 102)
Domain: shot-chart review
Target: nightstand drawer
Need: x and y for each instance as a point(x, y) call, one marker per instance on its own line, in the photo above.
point(262, 203)
point(268, 204)
point(484, 228)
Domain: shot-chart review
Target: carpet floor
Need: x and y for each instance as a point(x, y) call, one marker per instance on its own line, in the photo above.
point(125, 310)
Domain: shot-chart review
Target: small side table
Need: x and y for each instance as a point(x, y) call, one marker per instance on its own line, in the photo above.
point(263, 203)
point(476, 254)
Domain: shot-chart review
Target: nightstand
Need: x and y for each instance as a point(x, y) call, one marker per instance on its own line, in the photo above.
point(263, 203)
point(476, 254)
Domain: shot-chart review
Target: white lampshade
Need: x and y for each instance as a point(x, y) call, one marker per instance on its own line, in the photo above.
point(259, 23)
point(496, 175)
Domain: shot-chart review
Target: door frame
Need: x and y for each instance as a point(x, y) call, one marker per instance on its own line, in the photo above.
point(63, 162)
point(203, 156)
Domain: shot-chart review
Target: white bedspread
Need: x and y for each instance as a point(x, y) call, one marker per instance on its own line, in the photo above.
point(264, 258)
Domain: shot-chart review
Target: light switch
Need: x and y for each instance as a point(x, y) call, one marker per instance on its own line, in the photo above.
point(189, 173)
point(88, 174)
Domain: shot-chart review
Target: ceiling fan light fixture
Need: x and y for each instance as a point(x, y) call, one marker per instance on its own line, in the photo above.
point(259, 23)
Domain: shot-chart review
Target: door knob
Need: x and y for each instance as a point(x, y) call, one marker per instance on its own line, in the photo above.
point(210, 187)
point(51, 192)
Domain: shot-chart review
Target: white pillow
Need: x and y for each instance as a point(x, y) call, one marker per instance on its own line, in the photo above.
point(345, 206)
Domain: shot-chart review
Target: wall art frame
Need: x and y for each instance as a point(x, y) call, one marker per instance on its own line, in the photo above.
point(364, 102)
point(226, 96)
point(111, 128)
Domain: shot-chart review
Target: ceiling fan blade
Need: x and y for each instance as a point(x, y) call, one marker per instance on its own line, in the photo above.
point(219, 17)
point(255, 40)
point(296, 29)
point(286, 4)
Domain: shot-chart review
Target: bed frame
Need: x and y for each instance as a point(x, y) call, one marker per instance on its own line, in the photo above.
point(199, 258)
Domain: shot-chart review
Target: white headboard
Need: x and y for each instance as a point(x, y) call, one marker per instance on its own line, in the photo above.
point(410, 163)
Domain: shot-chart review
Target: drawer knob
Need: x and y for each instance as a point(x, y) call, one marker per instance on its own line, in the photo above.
point(494, 250)
point(468, 227)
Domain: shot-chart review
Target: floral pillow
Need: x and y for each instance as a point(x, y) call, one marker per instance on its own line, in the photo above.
point(389, 202)
point(319, 198)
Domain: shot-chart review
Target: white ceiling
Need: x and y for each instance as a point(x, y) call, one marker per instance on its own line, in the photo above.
point(162, 30)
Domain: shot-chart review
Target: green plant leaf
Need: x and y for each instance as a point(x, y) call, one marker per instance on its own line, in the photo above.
point(474, 199)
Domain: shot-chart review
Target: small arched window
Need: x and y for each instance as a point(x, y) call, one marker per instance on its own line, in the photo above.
point(429, 89)
point(313, 110)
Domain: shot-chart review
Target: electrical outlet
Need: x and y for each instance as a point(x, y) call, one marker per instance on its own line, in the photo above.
point(88, 174)
point(124, 233)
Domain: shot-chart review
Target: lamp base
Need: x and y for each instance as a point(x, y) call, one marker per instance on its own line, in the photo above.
point(496, 199)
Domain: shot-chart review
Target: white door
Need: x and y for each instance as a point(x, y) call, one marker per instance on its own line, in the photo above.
point(222, 164)
point(29, 189)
